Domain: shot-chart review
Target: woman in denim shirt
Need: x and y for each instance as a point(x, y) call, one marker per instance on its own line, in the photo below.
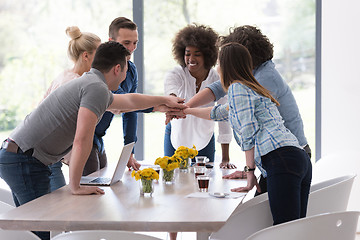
point(260, 132)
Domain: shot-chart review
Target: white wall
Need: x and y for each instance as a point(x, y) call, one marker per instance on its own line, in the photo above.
point(341, 89)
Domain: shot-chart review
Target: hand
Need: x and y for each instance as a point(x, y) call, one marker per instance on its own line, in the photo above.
point(87, 190)
point(176, 114)
point(164, 109)
point(66, 159)
point(251, 182)
point(227, 165)
point(175, 102)
point(168, 119)
point(307, 150)
point(236, 175)
point(171, 115)
point(132, 163)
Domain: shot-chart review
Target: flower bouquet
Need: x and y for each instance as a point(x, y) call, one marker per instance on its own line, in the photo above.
point(146, 176)
point(168, 164)
point(184, 155)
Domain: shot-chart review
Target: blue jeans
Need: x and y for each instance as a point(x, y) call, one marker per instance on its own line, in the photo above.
point(96, 161)
point(27, 178)
point(289, 174)
point(169, 150)
point(57, 179)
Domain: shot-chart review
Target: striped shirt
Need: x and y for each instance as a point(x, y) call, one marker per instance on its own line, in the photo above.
point(256, 122)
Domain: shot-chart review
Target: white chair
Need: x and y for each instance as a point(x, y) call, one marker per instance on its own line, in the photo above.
point(102, 235)
point(14, 235)
point(330, 195)
point(6, 196)
point(247, 219)
point(255, 214)
point(250, 201)
point(329, 226)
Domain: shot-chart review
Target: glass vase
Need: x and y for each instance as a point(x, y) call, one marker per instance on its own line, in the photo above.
point(168, 176)
point(184, 165)
point(146, 187)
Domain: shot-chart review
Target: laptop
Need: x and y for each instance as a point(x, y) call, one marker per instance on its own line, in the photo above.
point(118, 172)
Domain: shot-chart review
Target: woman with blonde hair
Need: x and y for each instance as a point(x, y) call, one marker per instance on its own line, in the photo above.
point(81, 51)
point(259, 130)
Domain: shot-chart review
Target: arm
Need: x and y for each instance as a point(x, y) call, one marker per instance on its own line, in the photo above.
point(224, 138)
point(225, 160)
point(199, 112)
point(212, 93)
point(135, 101)
point(251, 178)
point(129, 131)
point(203, 97)
point(83, 140)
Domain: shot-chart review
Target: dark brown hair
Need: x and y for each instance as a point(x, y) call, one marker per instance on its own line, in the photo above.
point(110, 54)
point(259, 46)
point(120, 22)
point(202, 37)
point(236, 66)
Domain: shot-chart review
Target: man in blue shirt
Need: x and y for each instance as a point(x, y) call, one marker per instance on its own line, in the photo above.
point(124, 31)
point(261, 51)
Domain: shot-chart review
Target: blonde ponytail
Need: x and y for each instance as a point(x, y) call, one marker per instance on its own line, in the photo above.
point(80, 42)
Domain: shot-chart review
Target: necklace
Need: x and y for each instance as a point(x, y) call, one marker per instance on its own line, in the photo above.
point(198, 86)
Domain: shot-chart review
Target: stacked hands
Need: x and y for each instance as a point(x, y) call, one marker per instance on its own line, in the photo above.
point(180, 113)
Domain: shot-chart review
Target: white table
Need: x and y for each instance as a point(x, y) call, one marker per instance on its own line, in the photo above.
point(122, 208)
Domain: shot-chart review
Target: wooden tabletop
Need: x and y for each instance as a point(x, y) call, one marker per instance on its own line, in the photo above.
point(122, 207)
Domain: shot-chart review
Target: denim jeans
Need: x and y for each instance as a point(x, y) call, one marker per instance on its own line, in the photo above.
point(57, 179)
point(27, 178)
point(169, 150)
point(96, 161)
point(289, 174)
point(262, 181)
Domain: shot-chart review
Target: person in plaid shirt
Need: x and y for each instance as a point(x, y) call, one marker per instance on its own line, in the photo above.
point(260, 132)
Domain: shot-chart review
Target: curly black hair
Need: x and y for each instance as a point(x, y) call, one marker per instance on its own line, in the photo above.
point(259, 46)
point(202, 37)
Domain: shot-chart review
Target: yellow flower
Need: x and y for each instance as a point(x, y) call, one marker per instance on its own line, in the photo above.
point(185, 152)
point(147, 174)
point(168, 163)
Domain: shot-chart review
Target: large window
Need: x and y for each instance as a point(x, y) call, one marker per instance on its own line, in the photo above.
point(34, 44)
point(290, 26)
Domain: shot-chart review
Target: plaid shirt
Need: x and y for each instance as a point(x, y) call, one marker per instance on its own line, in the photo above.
point(256, 122)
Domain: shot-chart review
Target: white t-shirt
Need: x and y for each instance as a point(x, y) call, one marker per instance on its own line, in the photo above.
point(192, 130)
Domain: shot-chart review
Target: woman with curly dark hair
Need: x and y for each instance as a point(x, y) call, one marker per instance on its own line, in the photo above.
point(195, 50)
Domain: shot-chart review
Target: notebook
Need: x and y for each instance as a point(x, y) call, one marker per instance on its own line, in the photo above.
point(118, 172)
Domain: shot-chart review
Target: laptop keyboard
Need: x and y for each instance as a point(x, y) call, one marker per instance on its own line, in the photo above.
point(101, 180)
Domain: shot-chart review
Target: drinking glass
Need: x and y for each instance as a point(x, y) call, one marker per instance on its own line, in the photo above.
point(200, 160)
point(199, 170)
point(203, 183)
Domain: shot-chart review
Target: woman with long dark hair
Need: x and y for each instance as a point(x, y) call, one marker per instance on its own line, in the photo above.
point(260, 132)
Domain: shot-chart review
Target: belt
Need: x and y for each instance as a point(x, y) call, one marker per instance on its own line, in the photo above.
point(11, 146)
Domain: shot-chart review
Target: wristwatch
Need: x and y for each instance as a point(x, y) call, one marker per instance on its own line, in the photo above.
point(248, 169)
